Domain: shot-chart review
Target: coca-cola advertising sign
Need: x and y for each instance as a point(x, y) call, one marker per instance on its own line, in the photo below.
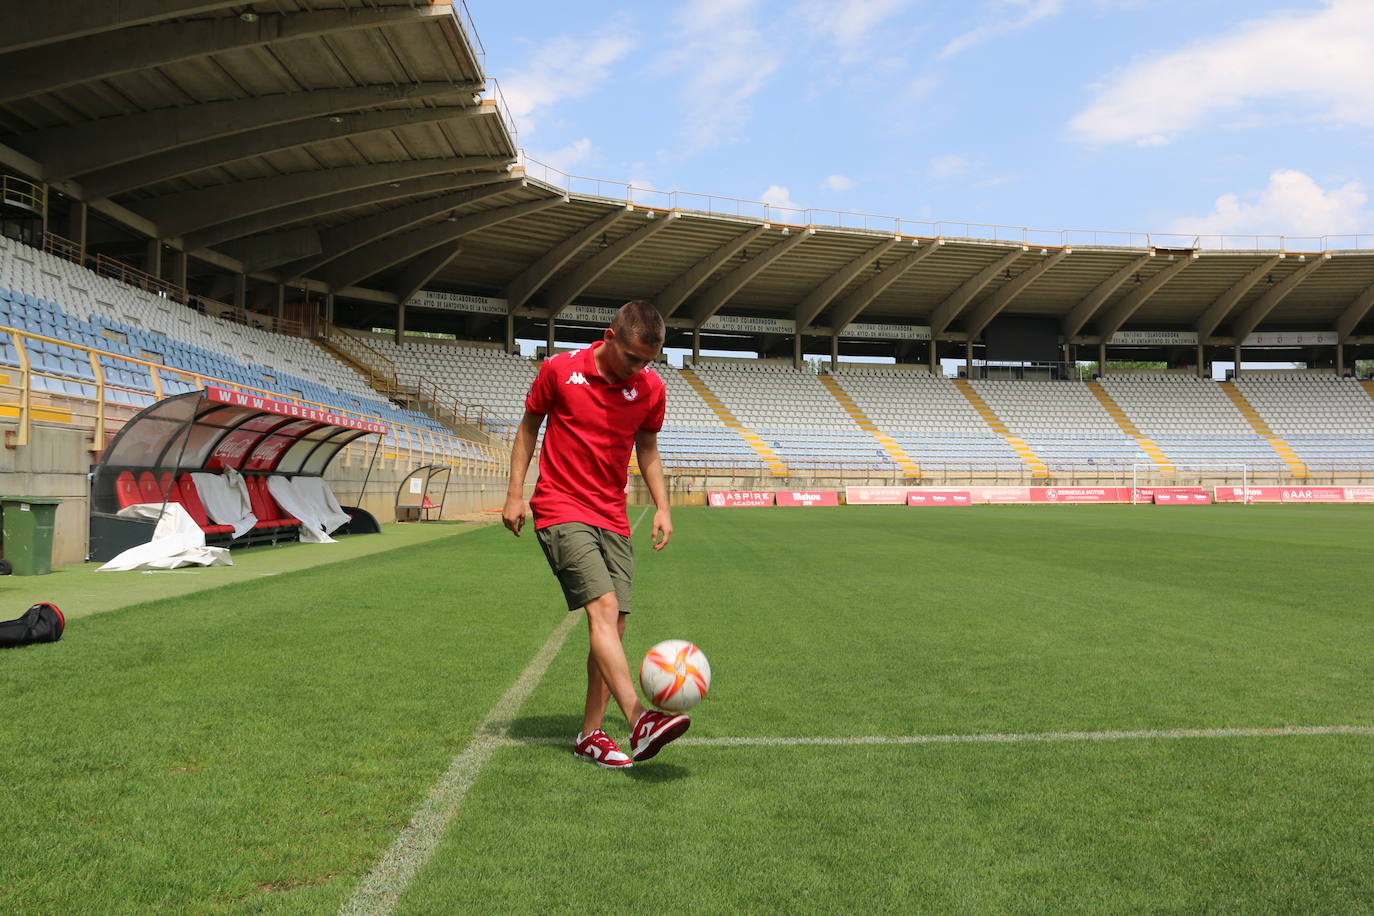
point(808, 498)
point(739, 499)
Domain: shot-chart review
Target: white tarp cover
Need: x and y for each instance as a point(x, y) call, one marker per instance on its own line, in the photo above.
point(177, 541)
point(307, 503)
point(226, 499)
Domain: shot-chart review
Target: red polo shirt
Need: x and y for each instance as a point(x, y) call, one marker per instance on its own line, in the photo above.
point(584, 463)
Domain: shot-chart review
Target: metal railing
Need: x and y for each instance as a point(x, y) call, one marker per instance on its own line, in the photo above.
point(716, 205)
point(64, 248)
point(107, 266)
point(448, 408)
point(20, 192)
point(226, 312)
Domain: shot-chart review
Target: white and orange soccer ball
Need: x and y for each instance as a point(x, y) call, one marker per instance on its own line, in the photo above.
point(675, 675)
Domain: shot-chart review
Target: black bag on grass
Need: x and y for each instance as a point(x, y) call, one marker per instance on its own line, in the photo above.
point(41, 623)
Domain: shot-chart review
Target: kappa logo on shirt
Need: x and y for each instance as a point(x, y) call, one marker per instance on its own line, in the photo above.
point(577, 378)
point(630, 393)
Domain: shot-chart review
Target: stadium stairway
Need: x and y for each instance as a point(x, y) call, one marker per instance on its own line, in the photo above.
point(1147, 445)
point(1280, 445)
point(1368, 387)
point(899, 456)
point(1032, 460)
point(770, 457)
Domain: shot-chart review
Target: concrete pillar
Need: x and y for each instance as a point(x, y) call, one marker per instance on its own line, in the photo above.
point(1236, 371)
point(76, 223)
point(180, 268)
point(329, 307)
point(400, 322)
point(1340, 358)
point(797, 349)
point(968, 359)
point(1101, 357)
point(240, 291)
point(46, 193)
point(696, 346)
point(510, 333)
point(835, 352)
point(550, 342)
point(279, 308)
point(1201, 361)
point(153, 262)
point(933, 356)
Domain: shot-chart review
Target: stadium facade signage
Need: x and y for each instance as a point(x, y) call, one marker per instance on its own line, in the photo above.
point(590, 314)
point(807, 498)
point(886, 331)
point(287, 409)
point(739, 499)
point(750, 324)
point(1292, 339)
point(1154, 338)
point(927, 497)
point(456, 302)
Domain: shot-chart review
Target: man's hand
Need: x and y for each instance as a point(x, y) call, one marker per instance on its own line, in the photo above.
point(663, 525)
point(514, 513)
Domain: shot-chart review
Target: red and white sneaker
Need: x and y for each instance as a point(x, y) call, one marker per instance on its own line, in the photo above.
point(598, 748)
point(655, 729)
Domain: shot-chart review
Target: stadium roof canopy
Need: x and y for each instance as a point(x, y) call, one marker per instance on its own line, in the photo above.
point(357, 148)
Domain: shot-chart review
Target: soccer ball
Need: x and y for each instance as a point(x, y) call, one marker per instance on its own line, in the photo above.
point(675, 675)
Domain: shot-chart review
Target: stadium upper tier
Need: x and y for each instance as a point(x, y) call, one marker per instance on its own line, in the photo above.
point(358, 150)
point(133, 331)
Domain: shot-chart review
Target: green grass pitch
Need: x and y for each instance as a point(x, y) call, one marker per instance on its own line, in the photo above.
point(257, 747)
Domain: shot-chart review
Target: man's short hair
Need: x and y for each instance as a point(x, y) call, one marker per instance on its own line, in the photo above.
point(639, 321)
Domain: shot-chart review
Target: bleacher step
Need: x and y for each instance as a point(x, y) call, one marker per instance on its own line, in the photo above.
point(1025, 452)
point(1147, 445)
point(1296, 467)
point(905, 462)
point(770, 458)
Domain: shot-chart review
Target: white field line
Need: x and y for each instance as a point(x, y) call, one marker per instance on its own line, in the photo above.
point(387, 881)
point(1010, 738)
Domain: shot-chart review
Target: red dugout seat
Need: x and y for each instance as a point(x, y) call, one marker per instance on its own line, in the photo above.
point(190, 498)
point(126, 490)
point(269, 514)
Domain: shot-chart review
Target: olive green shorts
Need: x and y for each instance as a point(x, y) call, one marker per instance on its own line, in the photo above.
point(589, 562)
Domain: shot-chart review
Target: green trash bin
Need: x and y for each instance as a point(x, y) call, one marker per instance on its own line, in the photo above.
point(28, 526)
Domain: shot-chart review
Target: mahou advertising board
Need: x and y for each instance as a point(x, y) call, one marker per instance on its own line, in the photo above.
point(806, 498)
point(931, 497)
point(1284, 494)
point(739, 499)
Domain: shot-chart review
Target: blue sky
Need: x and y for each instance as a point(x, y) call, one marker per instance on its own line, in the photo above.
point(1209, 116)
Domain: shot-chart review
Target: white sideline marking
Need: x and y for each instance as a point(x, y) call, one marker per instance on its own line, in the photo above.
point(412, 848)
point(765, 741)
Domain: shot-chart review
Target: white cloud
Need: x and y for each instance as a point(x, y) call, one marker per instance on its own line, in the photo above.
point(1023, 13)
point(564, 68)
point(781, 197)
point(848, 23)
point(570, 156)
point(948, 166)
point(724, 60)
point(1319, 59)
point(838, 183)
point(1292, 204)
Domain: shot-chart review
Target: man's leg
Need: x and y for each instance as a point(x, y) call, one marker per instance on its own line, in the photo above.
point(598, 693)
point(605, 626)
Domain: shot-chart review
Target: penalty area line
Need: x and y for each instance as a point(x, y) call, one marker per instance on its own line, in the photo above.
point(1001, 738)
point(383, 886)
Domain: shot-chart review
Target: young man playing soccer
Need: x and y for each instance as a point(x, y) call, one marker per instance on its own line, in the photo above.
point(599, 402)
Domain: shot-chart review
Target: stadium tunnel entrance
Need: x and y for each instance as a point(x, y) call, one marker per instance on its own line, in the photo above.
point(246, 440)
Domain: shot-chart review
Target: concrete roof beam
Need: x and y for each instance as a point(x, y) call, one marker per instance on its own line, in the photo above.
point(955, 302)
point(1260, 309)
point(816, 300)
point(28, 25)
point(1123, 310)
point(1086, 307)
point(562, 293)
point(853, 305)
point(423, 268)
point(519, 290)
point(994, 304)
point(687, 282)
point(709, 302)
point(1220, 308)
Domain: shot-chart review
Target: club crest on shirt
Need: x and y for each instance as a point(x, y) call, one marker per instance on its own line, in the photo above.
point(630, 393)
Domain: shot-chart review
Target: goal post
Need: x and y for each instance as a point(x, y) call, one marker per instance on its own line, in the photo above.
point(1229, 469)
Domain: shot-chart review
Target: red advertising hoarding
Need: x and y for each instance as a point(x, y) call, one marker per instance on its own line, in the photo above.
point(876, 496)
point(808, 498)
point(1171, 498)
point(739, 499)
point(1062, 495)
point(1281, 494)
point(939, 498)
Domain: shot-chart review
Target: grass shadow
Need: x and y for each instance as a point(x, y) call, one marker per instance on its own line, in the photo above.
point(560, 726)
point(658, 772)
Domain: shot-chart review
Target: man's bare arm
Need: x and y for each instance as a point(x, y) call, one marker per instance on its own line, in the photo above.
point(651, 469)
point(516, 510)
